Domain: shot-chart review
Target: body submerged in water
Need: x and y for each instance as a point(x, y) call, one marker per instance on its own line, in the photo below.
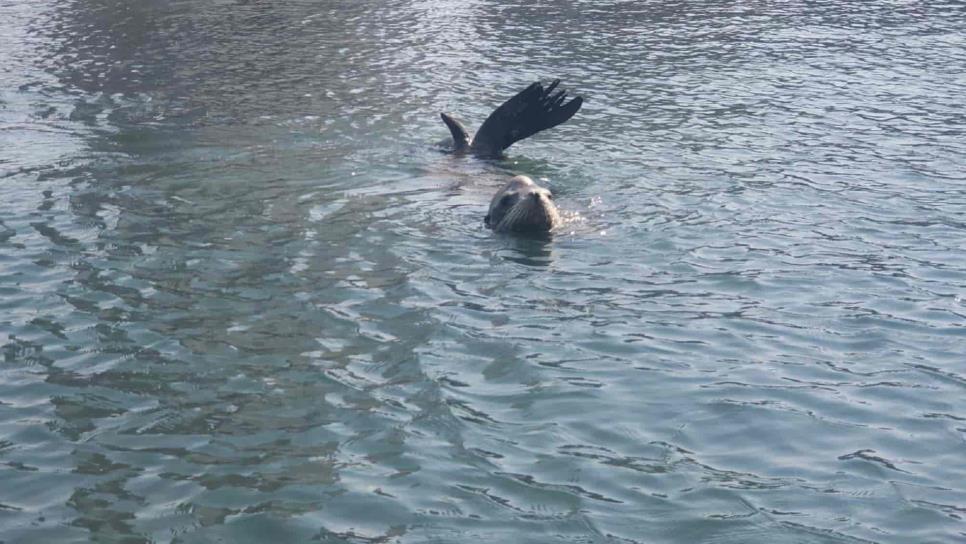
point(521, 206)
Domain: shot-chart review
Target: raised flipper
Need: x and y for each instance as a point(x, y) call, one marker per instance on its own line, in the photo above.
point(530, 111)
point(461, 139)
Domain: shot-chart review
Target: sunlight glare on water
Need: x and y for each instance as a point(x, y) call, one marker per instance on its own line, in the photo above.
point(244, 298)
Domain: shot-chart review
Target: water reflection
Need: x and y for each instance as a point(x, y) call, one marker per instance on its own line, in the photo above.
point(245, 299)
point(534, 250)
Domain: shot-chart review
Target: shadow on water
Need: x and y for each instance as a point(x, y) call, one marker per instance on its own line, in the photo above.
point(532, 249)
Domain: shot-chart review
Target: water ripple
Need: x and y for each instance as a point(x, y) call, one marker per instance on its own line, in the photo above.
point(245, 299)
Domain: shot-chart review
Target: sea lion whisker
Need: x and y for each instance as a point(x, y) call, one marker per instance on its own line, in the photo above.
point(513, 216)
point(519, 214)
point(522, 205)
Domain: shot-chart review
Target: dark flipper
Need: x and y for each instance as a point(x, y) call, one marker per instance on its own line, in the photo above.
point(461, 140)
point(530, 111)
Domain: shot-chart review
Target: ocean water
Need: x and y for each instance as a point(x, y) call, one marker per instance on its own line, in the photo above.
point(245, 299)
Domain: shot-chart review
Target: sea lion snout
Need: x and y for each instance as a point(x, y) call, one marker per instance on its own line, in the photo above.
point(522, 206)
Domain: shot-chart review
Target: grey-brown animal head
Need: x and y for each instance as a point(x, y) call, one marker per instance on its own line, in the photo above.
point(522, 206)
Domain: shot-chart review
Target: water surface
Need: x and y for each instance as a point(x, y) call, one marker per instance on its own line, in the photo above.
point(244, 299)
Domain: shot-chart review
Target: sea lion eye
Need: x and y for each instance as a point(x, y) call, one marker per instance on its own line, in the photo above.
point(505, 201)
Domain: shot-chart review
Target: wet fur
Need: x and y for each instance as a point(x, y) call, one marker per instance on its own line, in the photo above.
point(523, 206)
point(530, 111)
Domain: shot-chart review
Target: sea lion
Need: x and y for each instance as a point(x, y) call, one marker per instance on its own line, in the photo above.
point(522, 206)
point(530, 111)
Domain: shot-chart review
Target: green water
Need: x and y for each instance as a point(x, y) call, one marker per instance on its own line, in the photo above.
point(243, 298)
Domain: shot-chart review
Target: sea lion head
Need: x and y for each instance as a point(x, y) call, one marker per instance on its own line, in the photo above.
point(522, 206)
